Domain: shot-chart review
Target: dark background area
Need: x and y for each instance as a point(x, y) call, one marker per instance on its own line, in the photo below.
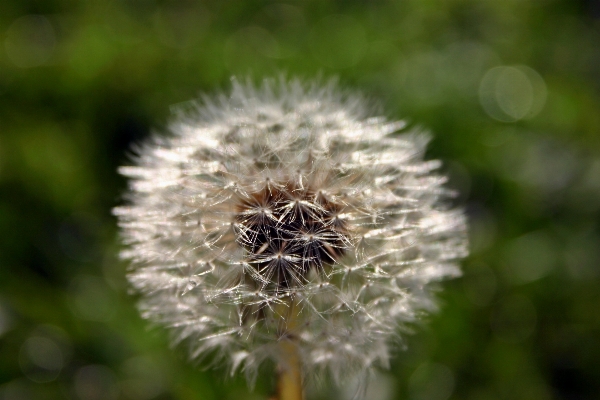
point(510, 89)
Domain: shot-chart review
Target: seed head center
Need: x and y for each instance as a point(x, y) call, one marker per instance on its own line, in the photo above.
point(288, 230)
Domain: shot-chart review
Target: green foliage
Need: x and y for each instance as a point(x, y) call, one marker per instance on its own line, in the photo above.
point(510, 89)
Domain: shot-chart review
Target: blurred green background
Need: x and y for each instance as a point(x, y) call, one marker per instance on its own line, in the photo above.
point(511, 90)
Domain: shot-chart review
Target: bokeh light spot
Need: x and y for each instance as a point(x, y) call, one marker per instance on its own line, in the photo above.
point(529, 257)
point(424, 78)
point(248, 46)
point(91, 299)
point(511, 93)
point(381, 387)
point(30, 41)
point(41, 359)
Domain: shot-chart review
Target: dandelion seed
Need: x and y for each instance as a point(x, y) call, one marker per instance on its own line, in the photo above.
point(285, 223)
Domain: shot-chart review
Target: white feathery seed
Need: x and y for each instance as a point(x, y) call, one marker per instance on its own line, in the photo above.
point(286, 212)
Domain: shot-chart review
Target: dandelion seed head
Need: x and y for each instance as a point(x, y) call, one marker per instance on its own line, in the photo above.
point(288, 198)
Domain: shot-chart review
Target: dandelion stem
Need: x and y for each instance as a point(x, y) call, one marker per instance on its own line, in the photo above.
point(289, 385)
point(290, 375)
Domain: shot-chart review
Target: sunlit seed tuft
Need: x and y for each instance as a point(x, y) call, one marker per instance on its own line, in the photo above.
point(288, 230)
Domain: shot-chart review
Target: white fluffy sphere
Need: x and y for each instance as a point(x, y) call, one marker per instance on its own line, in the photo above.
point(286, 213)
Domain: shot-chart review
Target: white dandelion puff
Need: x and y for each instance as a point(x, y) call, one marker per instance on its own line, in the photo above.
point(285, 214)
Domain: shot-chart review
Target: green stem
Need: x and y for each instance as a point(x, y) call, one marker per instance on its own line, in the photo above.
point(289, 386)
point(290, 373)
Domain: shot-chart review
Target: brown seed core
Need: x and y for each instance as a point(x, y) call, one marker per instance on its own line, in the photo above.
point(287, 230)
